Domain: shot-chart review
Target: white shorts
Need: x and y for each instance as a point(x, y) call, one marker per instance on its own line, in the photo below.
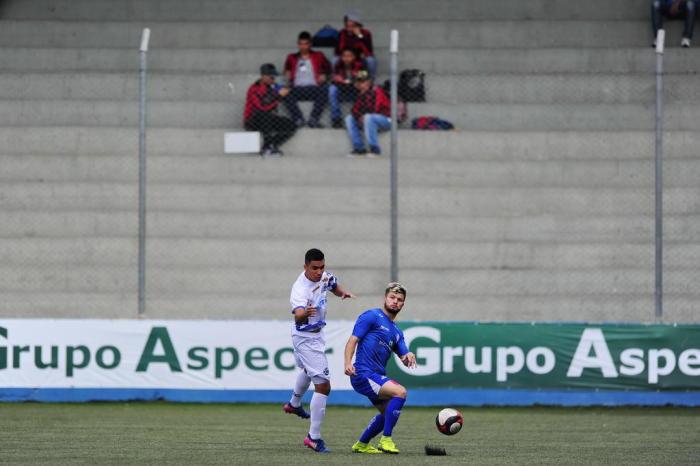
point(310, 355)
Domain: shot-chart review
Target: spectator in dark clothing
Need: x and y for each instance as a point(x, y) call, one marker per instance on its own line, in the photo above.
point(306, 72)
point(674, 9)
point(342, 88)
point(354, 36)
point(260, 113)
point(370, 113)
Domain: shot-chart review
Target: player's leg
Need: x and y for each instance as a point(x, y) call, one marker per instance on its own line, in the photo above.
point(302, 383)
point(395, 394)
point(362, 385)
point(301, 386)
point(316, 364)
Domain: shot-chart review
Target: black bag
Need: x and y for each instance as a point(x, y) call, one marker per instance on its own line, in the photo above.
point(327, 36)
point(412, 86)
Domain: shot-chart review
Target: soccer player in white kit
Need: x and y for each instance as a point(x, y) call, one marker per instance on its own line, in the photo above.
point(308, 300)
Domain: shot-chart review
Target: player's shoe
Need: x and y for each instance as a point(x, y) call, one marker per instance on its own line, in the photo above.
point(317, 445)
point(387, 445)
point(360, 447)
point(299, 410)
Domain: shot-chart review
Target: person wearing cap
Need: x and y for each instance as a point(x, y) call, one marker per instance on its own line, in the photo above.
point(260, 112)
point(306, 72)
point(369, 114)
point(342, 88)
point(354, 36)
point(375, 337)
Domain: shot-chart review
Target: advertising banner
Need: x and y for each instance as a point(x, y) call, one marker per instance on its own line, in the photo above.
point(471, 363)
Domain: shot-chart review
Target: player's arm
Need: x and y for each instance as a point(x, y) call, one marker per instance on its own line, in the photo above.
point(336, 289)
point(342, 293)
point(407, 358)
point(302, 314)
point(350, 347)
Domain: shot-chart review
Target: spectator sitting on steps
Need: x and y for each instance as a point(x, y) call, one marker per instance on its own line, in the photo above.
point(306, 73)
point(342, 88)
point(674, 9)
point(260, 113)
point(354, 36)
point(369, 114)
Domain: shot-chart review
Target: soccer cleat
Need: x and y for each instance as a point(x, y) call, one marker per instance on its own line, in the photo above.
point(360, 447)
point(317, 445)
point(299, 410)
point(387, 445)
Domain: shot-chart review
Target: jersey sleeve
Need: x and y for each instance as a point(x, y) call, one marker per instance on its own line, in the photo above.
point(363, 325)
point(401, 348)
point(332, 282)
point(298, 298)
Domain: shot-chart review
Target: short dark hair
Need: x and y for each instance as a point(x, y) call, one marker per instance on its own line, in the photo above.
point(353, 50)
point(313, 255)
point(304, 35)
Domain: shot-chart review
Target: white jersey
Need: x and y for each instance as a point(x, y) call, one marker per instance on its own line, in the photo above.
point(306, 293)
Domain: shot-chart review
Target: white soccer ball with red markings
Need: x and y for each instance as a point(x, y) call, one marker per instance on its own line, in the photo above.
point(449, 421)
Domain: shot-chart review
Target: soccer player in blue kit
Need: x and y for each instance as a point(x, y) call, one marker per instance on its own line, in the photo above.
point(376, 336)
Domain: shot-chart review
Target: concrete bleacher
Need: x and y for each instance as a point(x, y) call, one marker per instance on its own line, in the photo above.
point(539, 207)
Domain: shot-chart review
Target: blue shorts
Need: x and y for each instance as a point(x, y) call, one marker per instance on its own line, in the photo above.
point(368, 384)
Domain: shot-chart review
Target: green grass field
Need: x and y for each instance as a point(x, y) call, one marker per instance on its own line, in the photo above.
point(157, 433)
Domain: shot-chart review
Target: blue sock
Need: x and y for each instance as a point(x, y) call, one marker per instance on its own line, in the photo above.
point(373, 428)
point(392, 413)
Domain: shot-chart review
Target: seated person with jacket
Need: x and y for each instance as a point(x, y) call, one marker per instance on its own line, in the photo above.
point(342, 88)
point(370, 114)
point(674, 9)
point(260, 112)
point(354, 36)
point(306, 72)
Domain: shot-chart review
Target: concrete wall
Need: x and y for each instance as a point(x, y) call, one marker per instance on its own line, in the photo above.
point(539, 207)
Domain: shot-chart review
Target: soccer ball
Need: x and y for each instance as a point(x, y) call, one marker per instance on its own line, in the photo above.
point(449, 421)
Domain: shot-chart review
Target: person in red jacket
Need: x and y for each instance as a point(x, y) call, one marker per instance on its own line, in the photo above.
point(260, 112)
point(342, 88)
point(354, 36)
point(370, 113)
point(306, 72)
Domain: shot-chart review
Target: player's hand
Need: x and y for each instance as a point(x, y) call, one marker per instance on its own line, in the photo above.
point(310, 311)
point(283, 92)
point(322, 79)
point(409, 360)
point(347, 294)
point(349, 369)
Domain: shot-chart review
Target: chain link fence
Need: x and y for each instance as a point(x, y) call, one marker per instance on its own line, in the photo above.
point(538, 205)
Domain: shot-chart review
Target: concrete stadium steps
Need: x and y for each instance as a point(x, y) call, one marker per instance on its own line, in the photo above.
point(415, 34)
point(341, 171)
point(464, 89)
point(488, 117)
point(257, 10)
point(424, 200)
point(620, 307)
point(238, 280)
point(434, 61)
point(575, 229)
point(233, 251)
point(491, 145)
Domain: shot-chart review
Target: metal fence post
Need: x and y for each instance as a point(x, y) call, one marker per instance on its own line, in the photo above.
point(658, 177)
point(143, 50)
point(394, 179)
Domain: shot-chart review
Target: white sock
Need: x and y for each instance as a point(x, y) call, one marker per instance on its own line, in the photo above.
point(300, 388)
point(318, 412)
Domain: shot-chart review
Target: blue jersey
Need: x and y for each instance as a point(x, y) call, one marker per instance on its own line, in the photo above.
point(379, 337)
